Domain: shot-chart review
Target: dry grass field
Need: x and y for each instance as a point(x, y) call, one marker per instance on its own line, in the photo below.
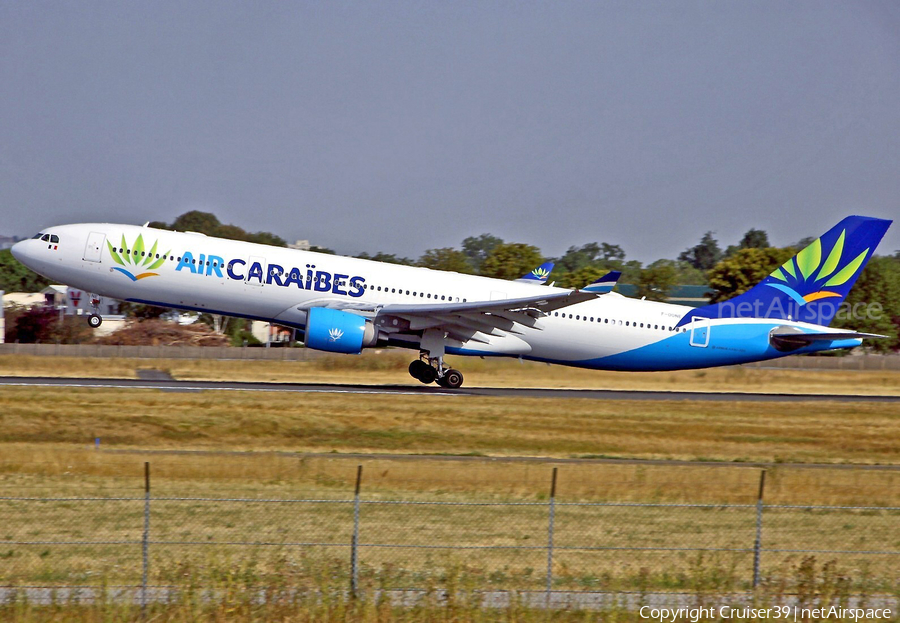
point(255, 446)
point(390, 367)
point(198, 520)
point(825, 432)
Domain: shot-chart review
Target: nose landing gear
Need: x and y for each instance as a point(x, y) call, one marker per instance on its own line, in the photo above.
point(431, 369)
point(95, 320)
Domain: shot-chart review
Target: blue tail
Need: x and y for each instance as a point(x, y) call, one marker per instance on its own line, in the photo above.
point(810, 286)
point(539, 275)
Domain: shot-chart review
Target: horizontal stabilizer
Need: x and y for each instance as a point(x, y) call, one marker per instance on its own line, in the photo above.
point(831, 335)
point(604, 284)
point(792, 340)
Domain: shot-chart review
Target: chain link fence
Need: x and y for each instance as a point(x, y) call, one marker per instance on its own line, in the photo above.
point(361, 541)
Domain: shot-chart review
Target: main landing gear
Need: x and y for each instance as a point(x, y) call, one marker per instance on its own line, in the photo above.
point(431, 369)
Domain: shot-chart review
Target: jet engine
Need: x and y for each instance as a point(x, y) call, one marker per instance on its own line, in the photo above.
point(338, 331)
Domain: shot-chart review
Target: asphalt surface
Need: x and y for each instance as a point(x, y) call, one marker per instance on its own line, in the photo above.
point(153, 381)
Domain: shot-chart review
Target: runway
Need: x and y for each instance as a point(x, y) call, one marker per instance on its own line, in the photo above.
point(153, 381)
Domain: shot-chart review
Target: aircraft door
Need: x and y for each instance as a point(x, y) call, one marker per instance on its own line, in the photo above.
point(94, 247)
point(256, 271)
point(700, 332)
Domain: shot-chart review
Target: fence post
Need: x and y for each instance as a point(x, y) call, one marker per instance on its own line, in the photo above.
point(354, 542)
point(145, 540)
point(550, 536)
point(757, 546)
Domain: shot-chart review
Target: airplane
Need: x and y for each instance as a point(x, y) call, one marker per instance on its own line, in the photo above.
point(538, 276)
point(344, 305)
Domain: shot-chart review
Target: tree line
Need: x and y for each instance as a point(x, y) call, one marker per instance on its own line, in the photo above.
point(726, 272)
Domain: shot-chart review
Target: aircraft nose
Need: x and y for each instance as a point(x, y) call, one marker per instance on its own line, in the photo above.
point(16, 250)
point(20, 251)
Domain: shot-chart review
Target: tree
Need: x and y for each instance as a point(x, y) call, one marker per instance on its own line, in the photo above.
point(447, 258)
point(703, 255)
point(511, 260)
point(141, 311)
point(581, 277)
point(873, 305)
point(264, 237)
point(16, 277)
point(34, 325)
point(657, 280)
point(195, 220)
point(746, 268)
point(590, 254)
point(753, 239)
point(390, 258)
point(209, 224)
point(477, 248)
point(576, 258)
point(804, 242)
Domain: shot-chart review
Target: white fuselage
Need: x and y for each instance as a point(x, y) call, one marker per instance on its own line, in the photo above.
point(280, 285)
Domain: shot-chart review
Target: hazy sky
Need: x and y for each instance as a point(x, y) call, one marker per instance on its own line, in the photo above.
point(402, 126)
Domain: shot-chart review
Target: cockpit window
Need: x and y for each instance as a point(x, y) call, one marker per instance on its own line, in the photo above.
point(37, 235)
point(54, 238)
point(46, 237)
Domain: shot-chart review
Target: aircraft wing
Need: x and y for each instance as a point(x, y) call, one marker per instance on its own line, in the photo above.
point(604, 284)
point(464, 321)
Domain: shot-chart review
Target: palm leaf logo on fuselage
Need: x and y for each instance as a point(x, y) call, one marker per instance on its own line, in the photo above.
point(806, 278)
point(136, 258)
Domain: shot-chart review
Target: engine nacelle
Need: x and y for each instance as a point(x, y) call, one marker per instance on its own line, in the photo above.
point(338, 331)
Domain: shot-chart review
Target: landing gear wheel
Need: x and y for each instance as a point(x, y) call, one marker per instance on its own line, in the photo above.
point(94, 321)
point(452, 379)
point(428, 375)
point(421, 371)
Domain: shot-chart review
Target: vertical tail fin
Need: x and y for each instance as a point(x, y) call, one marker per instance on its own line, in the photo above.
point(539, 275)
point(810, 286)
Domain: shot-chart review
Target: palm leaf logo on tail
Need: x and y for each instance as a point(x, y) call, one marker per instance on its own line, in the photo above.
point(806, 277)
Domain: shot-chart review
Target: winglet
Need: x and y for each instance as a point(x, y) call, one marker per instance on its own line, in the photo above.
point(604, 284)
point(538, 276)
